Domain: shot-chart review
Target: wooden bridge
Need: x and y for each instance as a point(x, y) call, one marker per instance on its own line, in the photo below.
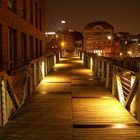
point(72, 103)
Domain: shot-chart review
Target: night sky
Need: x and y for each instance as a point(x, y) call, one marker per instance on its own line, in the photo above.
point(124, 15)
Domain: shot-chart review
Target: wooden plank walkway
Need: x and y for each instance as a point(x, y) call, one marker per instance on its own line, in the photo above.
point(69, 104)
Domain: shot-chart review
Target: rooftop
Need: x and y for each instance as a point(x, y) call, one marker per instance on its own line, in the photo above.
point(104, 24)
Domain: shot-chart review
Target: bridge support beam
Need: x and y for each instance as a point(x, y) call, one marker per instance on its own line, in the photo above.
point(114, 82)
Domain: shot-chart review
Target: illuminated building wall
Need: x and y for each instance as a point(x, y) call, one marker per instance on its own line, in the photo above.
point(67, 40)
point(98, 38)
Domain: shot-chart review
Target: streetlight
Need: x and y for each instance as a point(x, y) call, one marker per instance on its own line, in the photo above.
point(129, 53)
point(109, 37)
point(62, 22)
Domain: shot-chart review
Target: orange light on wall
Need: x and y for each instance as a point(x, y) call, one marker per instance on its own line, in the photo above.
point(62, 44)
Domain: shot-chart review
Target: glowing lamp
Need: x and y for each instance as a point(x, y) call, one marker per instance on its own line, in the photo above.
point(62, 44)
point(109, 37)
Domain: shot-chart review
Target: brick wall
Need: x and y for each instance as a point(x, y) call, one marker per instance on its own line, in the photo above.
point(13, 19)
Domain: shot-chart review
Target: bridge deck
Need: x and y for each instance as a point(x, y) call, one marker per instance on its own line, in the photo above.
point(69, 104)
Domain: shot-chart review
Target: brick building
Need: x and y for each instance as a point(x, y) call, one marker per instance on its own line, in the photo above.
point(98, 38)
point(67, 40)
point(21, 32)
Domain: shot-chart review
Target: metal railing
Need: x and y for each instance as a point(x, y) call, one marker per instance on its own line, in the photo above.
point(122, 80)
point(16, 85)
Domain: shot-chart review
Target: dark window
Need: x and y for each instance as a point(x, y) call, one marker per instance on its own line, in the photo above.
point(12, 4)
point(0, 46)
point(36, 45)
point(36, 15)
point(31, 47)
point(40, 48)
point(23, 8)
point(12, 48)
point(23, 48)
point(40, 19)
point(31, 11)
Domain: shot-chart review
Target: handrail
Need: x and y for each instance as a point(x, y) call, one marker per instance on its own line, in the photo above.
point(113, 62)
point(19, 82)
point(116, 74)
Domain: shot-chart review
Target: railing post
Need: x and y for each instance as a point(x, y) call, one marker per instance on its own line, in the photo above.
point(114, 82)
point(95, 66)
point(54, 59)
point(4, 105)
point(34, 71)
point(63, 52)
point(46, 66)
point(103, 71)
point(91, 63)
point(83, 56)
point(39, 71)
point(138, 97)
point(0, 103)
point(59, 55)
point(31, 77)
point(80, 55)
point(107, 75)
point(98, 70)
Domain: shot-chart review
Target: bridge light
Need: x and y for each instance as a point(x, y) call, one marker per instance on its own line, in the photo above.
point(43, 69)
point(119, 126)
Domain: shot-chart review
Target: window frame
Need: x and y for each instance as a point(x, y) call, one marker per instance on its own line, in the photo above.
point(36, 47)
point(24, 9)
point(31, 47)
point(40, 47)
point(23, 48)
point(36, 15)
point(12, 5)
point(40, 19)
point(12, 47)
point(31, 12)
